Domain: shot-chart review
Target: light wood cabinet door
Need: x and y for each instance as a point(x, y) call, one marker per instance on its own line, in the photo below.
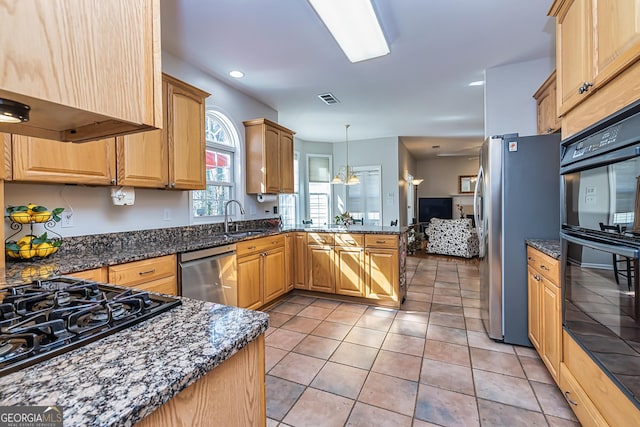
point(574, 52)
point(320, 262)
point(166, 285)
point(551, 325)
point(286, 163)
point(88, 70)
point(300, 261)
point(274, 274)
point(269, 157)
point(534, 284)
point(382, 274)
point(6, 173)
point(250, 281)
point(153, 274)
point(289, 259)
point(547, 112)
point(350, 271)
point(185, 135)
point(43, 160)
point(143, 159)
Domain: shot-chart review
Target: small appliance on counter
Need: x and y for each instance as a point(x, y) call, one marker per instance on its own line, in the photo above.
point(46, 318)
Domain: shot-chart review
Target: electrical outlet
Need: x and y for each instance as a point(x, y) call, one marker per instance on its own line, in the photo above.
point(166, 215)
point(67, 219)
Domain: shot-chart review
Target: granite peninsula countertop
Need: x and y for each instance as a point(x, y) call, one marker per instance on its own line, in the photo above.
point(548, 247)
point(120, 379)
point(106, 250)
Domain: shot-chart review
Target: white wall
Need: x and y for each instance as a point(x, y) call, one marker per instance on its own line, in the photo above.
point(509, 103)
point(305, 148)
point(372, 152)
point(406, 166)
point(93, 211)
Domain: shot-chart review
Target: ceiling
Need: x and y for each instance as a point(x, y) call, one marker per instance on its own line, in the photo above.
point(419, 92)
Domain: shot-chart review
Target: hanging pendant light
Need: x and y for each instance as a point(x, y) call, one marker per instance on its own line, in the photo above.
point(345, 174)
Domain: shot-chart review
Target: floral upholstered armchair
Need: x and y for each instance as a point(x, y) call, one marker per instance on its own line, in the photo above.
point(455, 237)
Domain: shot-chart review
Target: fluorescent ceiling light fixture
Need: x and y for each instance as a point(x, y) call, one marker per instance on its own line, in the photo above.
point(477, 83)
point(236, 74)
point(354, 25)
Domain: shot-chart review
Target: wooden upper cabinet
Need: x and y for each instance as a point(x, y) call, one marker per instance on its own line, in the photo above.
point(545, 96)
point(88, 69)
point(173, 157)
point(596, 40)
point(269, 157)
point(5, 166)
point(44, 160)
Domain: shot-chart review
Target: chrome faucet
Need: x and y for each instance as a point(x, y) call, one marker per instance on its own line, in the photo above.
point(226, 213)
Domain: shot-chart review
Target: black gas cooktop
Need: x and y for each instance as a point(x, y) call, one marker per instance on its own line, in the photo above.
point(46, 318)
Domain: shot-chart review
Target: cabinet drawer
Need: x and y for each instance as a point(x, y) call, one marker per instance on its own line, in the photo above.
point(578, 400)
point(349, 240)
point(381, 241)
point(166, 285)
point(96, 274)
point(543, 263)
point(614, 406)
point(324, 239)
point(134, 273)
point(248, 247)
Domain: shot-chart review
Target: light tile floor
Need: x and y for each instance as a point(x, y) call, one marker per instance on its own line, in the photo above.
point(431, 363)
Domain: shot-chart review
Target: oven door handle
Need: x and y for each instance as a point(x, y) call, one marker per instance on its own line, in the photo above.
point(604, 159)
point(625, 251)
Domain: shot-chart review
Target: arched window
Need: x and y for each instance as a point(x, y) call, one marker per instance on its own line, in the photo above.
point(222, 142)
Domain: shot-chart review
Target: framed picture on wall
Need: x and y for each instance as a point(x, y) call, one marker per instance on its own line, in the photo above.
point(466, 183)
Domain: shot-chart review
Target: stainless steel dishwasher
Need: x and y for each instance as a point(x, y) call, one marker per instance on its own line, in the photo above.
point(210, 275)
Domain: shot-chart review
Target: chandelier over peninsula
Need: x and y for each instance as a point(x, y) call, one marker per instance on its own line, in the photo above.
point(345, 174)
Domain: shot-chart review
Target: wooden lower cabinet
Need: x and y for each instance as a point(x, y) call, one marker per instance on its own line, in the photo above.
point(273, 264)
point(250, 281)
point(289, 260)
point(320, 263)
point(593, 396)
point(350, 271)
point(300, 261)
point(261, 271)
point(545, 308)
point(232, 394)
point(153, 274)
point(382, 274)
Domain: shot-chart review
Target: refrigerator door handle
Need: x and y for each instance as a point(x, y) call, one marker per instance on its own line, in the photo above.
point(476, 213)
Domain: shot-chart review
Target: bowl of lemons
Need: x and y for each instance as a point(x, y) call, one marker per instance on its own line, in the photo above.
point(32, 246)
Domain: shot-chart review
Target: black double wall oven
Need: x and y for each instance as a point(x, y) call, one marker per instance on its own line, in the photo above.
point(600, 237)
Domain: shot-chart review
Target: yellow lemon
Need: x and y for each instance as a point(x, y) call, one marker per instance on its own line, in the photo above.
point(44, 249)
point(41, 216)
point(12, 254)
point(26, 240)
point(30, 207)
point(20, 217)
point(54, 249)
point(27, 253)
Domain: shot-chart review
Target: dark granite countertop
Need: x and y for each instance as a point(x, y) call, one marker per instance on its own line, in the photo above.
point(118, 380)
point(549, 247)
point(105, 251)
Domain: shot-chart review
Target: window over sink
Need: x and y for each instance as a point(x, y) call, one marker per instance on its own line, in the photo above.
point(222, 141)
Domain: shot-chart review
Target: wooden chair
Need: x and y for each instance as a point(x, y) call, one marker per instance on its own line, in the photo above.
point(619, 259)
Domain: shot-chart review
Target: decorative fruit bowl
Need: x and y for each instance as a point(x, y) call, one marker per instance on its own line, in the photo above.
point(31, 246)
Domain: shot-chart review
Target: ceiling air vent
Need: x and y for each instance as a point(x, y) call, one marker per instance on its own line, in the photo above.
point(328, 98)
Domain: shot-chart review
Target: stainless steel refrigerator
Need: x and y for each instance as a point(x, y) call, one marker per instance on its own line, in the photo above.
point(517, 197)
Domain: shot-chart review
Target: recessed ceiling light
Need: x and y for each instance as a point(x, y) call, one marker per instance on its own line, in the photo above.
point(236, 74)
point(477, 83)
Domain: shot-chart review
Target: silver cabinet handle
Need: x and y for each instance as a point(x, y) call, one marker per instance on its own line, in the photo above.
point(153, 270)
point(585, 87)
point(251, 247)
point(544, 267)
point(530, 258)
point(113, 181)
point(535, 276)
point(566, 396)
point(381, 241)
point(173, 185)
